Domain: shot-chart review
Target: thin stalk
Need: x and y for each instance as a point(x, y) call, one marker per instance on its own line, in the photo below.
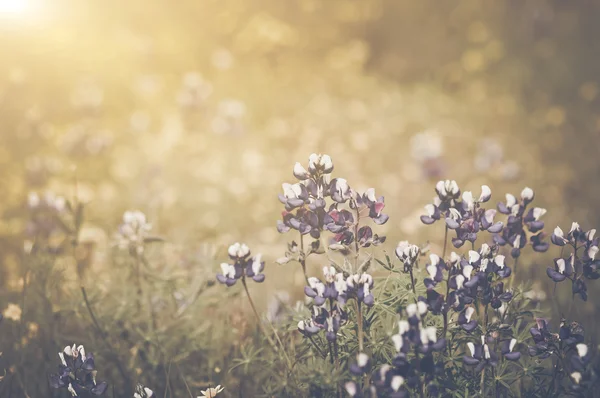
point(314, 343)
point(360, 327)
point(271, 341)
point(445, 242)
point(262, 328)
point(104, 338)
point(184, 382)
point(330, 351)
point(303, 258)
point(412, 280)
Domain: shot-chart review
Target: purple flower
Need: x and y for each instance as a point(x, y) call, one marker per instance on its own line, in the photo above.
point(243, 266)
point(77, 373)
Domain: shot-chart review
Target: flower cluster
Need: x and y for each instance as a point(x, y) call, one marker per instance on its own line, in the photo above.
point(307, 210)
point(243, 266)
point(329, 299)
point(305, 200)
point(77, 372)
point(466, 217)
point(548, 343)
point(482, 355)
point(133, 232)
point(578, 266)
point(521, 223)
point(413, 336)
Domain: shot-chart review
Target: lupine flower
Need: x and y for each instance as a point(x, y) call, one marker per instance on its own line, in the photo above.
point(77, 372)
point(362, 365)
point(469, 218)
point(408, 254)
point(520, 219)
point(143, 392)
point(508, 350)
point(305, 201)
point(577, 267)
point(465, 321)
point(133, 231)
point(447, 193)
point(481, 355)
point(211, 392)
point(435, 270)
point(360, 286)
point(243, 266)
point(547, 343)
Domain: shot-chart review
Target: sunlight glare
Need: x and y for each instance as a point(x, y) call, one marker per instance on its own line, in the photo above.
point(13, 7)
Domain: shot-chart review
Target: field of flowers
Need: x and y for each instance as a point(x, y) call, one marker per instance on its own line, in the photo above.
point(299, 198)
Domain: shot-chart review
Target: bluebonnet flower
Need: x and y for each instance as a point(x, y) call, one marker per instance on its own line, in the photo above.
point(435, 270)
point(143, 392)
point(77, 372)
point(519, 220)
point(408, 254)
point(579, 366)
point(508, 350)
point(243, 266)
point(578, 266)
point(329, 298)
point(481, 355)
point(305, 201)
point(360, 286)
point(470, 218)
point(465, 321)
point(416, 337)
point(447, 194)
point(362, 365)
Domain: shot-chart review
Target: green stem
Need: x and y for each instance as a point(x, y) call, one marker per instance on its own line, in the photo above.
point(360, 327)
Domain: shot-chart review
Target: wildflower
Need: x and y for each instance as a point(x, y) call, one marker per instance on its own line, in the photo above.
point(143, 392)
point(447, 194)
point(243, 266)
point(508, 350)
point(578, 266)
point(408, 254)
point(481, 355)
point(211, 392)
point(77, 372)
point(362, 364)
point(519, 219)
point(360, 286)
point(13, 312)
point(133, 232)
point(465, 321)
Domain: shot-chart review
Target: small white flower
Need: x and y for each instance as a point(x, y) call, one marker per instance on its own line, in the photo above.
point(473, 256)
point(398, 342)
point(469, 313)
point(370, 194)
point(560, 263)
point(403, 327)
point(397, 382)
point(559, 232)
point(72, 390)
point(460, 280)
point(582, 350)
point(527, 194)
point(590, 234)
point(574, 227)
point(362, 359)
point(467, 269)
point(471, 348)
point(538, 212)
point(576, 376)
point(499, 260)
point(300, 172)
point(211, 392)
point(467, 197)
point(510, 200)
point(486, 193)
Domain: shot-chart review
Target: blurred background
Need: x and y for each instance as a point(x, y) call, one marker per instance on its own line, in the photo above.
point(194, 112)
